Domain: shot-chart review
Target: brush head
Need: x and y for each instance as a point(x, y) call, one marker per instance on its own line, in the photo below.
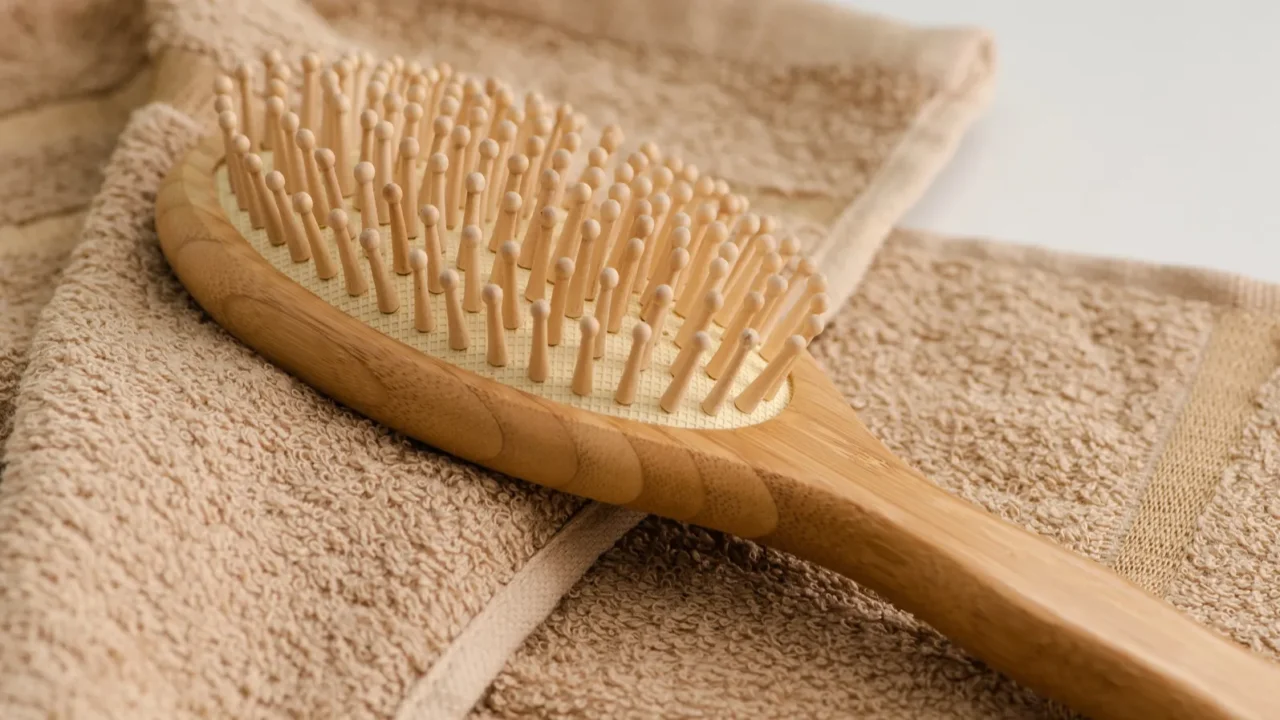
point(663, 233)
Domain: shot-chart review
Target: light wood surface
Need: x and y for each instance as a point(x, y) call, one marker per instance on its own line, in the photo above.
point(811, 481)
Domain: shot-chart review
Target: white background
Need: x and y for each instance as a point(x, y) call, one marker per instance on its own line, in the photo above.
point(1130, 128)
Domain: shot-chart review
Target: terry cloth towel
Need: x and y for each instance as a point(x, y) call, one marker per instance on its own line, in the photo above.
point(70, 72)
point(187, 531)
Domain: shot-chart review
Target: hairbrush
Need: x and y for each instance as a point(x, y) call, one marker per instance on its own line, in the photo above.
point(457, 262)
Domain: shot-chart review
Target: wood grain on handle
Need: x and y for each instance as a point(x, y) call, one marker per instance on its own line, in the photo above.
point(811, 481)
point(1051, 619)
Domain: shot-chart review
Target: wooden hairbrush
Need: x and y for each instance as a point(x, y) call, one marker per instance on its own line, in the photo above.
point(457, 264)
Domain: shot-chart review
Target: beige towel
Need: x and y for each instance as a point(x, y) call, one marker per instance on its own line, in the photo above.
point(184, 530)
point(69, 75)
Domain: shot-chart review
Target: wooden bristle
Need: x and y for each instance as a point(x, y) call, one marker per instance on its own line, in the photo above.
point(559, 298)
point(505, 228)
point(504, 134)
point(579, 203)
point(495, 338)
point(584, 368)
point(368, 121)
point(742, 345)
point(290, 231)
point(477, 123)
point(590, 233)
point(310, 90)
point(533, 232)
point(742, 320)
point(639, 162)
point(243, 149)
point(650, 150)
point(458, 337)
point(304, 206)
point(441, 129)
point(626, 273)
point(406, 178)
point(458, 142)
point(228, 124)
point(788, 247)
point(367, 199)
point(295, 178)
point(469, 262)
point(384, 135)
point(768, 225)
point(713, 279)
point(270, 60)
point(657, 318)
point(275, 109)
point(812, 299)
point(703, 246)
point(388, 299)
point(314, 181)
point(541, 256)
point(434, 191)
point(393, 114)
point(750, 398)
point(373, 93)
point(701, 319)
point(502, 100)
point(660, 204)
point(450, 106)
point(517, 168)
point(223, 85)
point(506, 277)
point(610, 211)
point(675, 226)
point(430, 217)
point(611, 138)
point(560, 161)
point(809, 329)
point(248, 104)
point(662, 179)
point(423, 320)
point(626, 392)
point(342, 109)
point(604, 305)
point(534, 148)
point(758, 262)
point(471, 205)
point(538, 363)
point(668, 273)
point(352, 274)
point(745, 229)
point(775, 289)
point(705, 189)
point(682, 371)
point(392, 195)
point(486, 170)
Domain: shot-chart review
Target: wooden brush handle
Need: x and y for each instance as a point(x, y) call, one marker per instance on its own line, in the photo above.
point(1053, 620)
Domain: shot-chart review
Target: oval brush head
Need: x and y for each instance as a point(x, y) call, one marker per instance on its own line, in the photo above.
point(514, 206)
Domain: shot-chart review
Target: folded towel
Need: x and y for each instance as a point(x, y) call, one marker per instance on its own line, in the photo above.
point(72, 71)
